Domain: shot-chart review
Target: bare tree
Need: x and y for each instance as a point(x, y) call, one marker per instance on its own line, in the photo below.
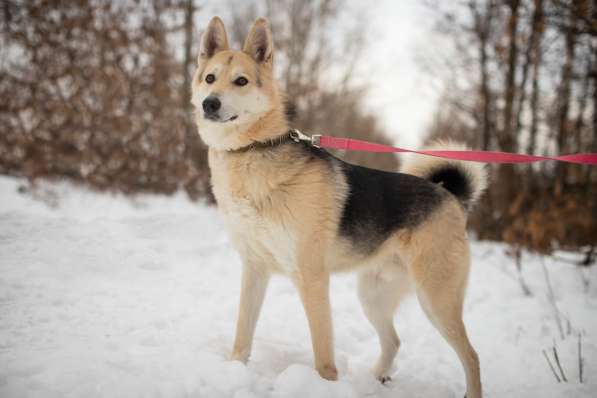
point(90, 92)
point(551, 44)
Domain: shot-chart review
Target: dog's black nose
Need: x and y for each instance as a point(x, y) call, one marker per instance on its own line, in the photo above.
point(211, 105)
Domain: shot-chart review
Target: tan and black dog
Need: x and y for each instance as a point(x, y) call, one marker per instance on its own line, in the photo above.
point(295, 209)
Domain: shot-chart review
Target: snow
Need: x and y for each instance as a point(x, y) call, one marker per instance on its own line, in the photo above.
point(106, 296)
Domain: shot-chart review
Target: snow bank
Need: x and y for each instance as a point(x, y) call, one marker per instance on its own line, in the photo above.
point(104, 296)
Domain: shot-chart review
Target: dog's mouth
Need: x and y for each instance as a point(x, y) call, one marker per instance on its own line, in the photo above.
point(216, 118)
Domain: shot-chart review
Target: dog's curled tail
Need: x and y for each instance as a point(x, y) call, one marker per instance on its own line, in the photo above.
point(465, 180)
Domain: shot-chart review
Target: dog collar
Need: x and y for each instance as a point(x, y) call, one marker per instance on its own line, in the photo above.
point(292, 135)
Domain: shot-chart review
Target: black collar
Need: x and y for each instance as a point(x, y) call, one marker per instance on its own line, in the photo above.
point(270, 143)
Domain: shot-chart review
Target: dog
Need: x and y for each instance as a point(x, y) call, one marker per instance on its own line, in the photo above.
point(295, 209)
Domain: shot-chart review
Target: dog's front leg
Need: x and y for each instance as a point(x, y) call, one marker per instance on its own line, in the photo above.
point(254, 285)
point(313, 284)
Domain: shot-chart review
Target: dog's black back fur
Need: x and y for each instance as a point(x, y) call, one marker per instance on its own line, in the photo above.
point(380, 203)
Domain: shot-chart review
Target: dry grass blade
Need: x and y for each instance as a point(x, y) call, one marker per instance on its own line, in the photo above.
point(552, 299)
point(551, 366)
point(557, 358)
point(580, 358)
point(525, 288)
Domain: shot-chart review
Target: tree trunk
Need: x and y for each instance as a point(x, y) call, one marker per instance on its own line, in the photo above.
point(506, 188)
point(194, 149)
point(188, 45)
point(530, 53)
point(576, 171)
point(535, 100)
point(482, 30)
point(591, 170)
point(538, 29)
point(507, 140)
point(564, 92)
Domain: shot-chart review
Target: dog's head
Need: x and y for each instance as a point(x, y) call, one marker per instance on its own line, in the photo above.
point(235, 97)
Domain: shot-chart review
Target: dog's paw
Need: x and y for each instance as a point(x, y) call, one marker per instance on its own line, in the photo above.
point(384, 379)
point(239, 356)
point(328, 372)
point(381, 372)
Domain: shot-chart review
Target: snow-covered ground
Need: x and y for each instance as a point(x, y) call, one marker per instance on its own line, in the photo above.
point(104, 296)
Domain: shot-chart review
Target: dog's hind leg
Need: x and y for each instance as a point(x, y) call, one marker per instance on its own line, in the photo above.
point(380, 290)
point(440, 276)
point(253, 287)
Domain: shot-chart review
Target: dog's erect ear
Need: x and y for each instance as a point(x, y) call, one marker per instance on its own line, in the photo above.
point(259, 44)
point(214, 39)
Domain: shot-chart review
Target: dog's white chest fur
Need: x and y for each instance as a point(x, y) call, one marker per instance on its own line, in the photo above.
point(262, 236)
point(257, 225)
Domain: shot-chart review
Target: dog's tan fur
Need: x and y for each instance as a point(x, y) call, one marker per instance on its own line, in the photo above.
point(283, 210)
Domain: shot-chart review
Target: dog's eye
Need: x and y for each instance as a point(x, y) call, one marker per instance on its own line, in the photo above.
point(209, 79)
point(241, 81)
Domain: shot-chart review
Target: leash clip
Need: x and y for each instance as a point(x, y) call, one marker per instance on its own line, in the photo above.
point(297, 136)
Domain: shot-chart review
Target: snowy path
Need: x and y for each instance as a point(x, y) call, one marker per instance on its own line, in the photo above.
point(107, 297)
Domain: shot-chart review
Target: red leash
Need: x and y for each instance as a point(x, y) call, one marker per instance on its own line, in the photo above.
point(349, 144)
